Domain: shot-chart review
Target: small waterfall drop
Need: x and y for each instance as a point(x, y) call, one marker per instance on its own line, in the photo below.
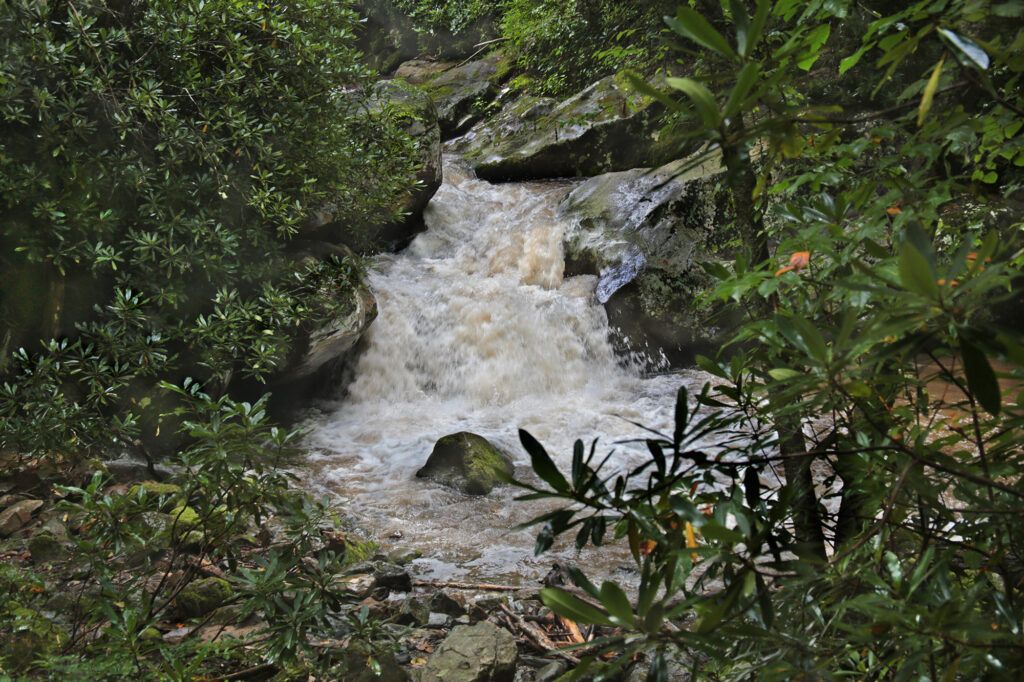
point(479, 331)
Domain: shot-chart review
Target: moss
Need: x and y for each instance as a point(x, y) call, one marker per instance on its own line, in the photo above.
point(359, 549)
point(155, 488)
point(200, 597)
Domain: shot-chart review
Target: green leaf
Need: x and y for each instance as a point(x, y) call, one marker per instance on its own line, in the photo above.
point(783, 373)
point(851, 61)
point(757, 25)
point(742, 23)
point(744, 82)
point(929, 93)
point(542, 464)
point(702, 99)
point(641, 85)
point(981, 379)
point(815, 39)
point(617, 603)
point(915, 272)
point(573, 608)
point(690, 24)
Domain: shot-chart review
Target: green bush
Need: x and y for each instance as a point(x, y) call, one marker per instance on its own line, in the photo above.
point(156, 161)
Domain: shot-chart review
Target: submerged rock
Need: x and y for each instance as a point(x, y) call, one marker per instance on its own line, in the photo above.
point(473, 653)
point(606, 127)
point(467, 462)
point(645, 232)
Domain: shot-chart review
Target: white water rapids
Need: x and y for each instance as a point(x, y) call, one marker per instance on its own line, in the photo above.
point(479, 331)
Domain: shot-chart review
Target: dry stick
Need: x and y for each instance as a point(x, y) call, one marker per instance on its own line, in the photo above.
point(536, 635)
point(242, 674)
point(484, 587)
point(483, 48)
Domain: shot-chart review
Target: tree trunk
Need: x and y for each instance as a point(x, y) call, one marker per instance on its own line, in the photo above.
point(742, 181)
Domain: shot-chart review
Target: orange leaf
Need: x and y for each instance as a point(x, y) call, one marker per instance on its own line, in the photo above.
point(894, 210)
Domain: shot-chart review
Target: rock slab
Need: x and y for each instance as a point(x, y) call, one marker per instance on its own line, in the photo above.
point(473, 653)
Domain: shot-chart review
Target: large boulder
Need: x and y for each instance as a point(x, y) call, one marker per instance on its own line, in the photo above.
point(645, 233)
point(467, 462)
point(473, 653)
point(414, 107)
point(606, 127)
point(461, 92)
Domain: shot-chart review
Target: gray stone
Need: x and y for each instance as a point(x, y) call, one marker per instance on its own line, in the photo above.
point(439, 620)
point(17, 516)
point(404, 555)
point(467, 462)
point(413, 611)
point(645, 233)
point(385, 574)
point(550, 672)
point(451, 603)
point(606, 127)
point(473, 653)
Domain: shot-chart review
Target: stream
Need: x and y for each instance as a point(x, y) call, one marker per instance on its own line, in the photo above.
point(480, 331)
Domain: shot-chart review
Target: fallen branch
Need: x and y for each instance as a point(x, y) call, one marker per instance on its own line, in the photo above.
point(536, 636)
point(483, 587)
point(248, 672)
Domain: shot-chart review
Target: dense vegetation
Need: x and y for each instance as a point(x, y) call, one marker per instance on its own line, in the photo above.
point(160, 164)
point(875, 245)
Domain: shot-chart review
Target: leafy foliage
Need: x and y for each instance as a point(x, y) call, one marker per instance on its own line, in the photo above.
point(890, 550)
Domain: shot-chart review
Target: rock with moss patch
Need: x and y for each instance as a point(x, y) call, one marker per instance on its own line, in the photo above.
point(462, 91)
point(44, 548)
point(467, 462)
point(606, 127)
point(646, 234)
point(200, 597)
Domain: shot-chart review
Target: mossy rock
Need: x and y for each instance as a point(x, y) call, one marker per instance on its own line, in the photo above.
point(467, 462)
point(606, 127)
point(44, 548)
point(200, 597)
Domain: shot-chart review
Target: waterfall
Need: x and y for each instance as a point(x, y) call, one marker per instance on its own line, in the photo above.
point(479, 331)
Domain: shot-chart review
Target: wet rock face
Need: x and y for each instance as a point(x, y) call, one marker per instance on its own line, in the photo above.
point(467, 462)
point(473, 653)
point(462, 91)
point(606, 127)
point(645, 232)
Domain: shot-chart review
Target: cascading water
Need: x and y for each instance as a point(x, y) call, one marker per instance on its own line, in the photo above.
point(479, 331)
